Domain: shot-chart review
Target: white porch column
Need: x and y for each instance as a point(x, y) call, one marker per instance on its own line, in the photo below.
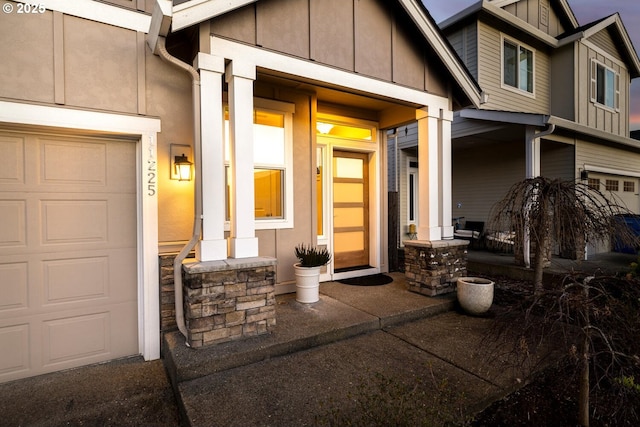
point(428, 176)
point(213, 245)
point(446, 118)
point(242, 241)
point(532, 153)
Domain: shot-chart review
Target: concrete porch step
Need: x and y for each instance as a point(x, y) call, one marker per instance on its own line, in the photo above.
point(342, 312)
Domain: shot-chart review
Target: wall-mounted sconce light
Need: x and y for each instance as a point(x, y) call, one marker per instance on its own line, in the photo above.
point(180, 163)
point(413, 232)
point(584, 175)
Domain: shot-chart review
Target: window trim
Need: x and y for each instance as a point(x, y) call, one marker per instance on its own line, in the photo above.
point(286, 109)
point(593, 79)
point(516, 89)
point(412, 171)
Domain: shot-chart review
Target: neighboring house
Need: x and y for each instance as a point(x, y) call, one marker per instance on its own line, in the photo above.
point(284, 113)
point(557, 105)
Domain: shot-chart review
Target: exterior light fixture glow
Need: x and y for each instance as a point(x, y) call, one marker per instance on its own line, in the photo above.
point(324, 128)
point(182, 168)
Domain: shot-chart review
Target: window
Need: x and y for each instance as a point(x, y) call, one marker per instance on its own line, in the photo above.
point(273, 170)
point(611, 185)
point(517, 66)
point(605, 86)
point(412, 192)
point(594, 183)
point(629, 187)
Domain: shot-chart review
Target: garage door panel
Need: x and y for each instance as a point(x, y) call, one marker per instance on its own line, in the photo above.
point(14, 286)
point(14, 351)
point(13, 230)
point(74, 221)
point(12, 159)
point(75, 279)
point(76, 337)
point(72, 162)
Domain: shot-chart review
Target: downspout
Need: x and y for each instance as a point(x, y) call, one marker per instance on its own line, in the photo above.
point(197, 220)
point(526, 250)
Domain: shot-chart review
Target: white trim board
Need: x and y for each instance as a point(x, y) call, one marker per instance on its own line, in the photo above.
point(332, 76)
point(145, 130)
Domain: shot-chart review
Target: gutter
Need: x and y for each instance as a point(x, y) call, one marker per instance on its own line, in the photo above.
point(526, 249)
point(159, 29)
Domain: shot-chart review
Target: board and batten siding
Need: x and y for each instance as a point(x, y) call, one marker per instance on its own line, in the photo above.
point(490, 76)
point(365, 37)
point(539, 14)
point(591, 114)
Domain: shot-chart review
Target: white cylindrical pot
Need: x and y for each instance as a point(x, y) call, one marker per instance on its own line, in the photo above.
point(475, 294)
point(307, 284)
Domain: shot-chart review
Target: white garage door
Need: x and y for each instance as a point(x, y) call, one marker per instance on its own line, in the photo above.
point(68, 286)
point(625, 189)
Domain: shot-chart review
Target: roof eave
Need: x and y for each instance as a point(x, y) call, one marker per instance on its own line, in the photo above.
point(438, 42)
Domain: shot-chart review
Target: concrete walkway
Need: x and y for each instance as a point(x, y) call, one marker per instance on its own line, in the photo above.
point(370, 355)
point(366, 355)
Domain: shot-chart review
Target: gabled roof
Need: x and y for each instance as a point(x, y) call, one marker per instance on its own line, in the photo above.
point(195, 11)
point(614, 23)
point(575, 32)
point(495, 8)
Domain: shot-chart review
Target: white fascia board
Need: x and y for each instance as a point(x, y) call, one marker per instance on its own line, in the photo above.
point(320, 73)
point(99, 12)
point(68, 118)
point(435, 38)
point(193, 12)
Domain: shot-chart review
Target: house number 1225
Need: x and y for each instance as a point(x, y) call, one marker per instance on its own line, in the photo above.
point(151, 177)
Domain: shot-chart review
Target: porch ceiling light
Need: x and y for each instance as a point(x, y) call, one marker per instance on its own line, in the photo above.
point(324, 128)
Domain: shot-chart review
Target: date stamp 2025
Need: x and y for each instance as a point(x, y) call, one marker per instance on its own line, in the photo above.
point(23, 8)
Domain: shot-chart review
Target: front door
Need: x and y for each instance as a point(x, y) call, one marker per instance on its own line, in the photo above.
point(350, 210)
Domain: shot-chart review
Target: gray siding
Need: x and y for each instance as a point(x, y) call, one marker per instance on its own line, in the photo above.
point(480, 178)
point(465, 43)
point(563, 83)
point(557, 160)
point(599, 155)
point(490, 76)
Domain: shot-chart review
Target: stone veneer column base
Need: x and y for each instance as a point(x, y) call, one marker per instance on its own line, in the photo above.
point(432, 267)
point(228, 300)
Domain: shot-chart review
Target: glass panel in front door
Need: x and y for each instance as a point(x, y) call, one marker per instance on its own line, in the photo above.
point(350, 210)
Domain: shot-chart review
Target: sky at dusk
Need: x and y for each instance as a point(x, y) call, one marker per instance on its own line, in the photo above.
point(586, 11)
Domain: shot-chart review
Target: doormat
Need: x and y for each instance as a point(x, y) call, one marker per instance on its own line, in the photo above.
point(373, 280)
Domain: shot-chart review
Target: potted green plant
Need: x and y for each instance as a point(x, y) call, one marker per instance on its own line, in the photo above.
point(311, 259)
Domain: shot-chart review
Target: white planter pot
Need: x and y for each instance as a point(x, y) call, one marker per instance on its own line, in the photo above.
point(307, 284)
point(475, 294)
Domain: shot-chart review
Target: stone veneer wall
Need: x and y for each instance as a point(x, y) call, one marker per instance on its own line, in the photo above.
point(228, 300)
point(167, 298)
point(432, 267)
